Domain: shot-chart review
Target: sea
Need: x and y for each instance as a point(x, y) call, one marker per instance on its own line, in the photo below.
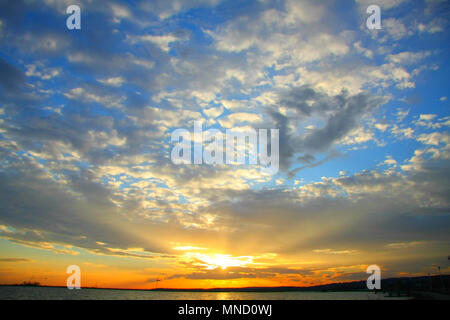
point(58, 293)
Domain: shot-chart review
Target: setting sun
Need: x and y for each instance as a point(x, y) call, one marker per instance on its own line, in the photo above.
point(223, 261)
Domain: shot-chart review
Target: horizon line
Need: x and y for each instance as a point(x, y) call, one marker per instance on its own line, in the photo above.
point(224, 288)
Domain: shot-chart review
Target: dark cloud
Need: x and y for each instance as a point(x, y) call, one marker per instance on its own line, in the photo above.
point(346, 118)
point(305, 100)
point(14, 92)
point(11, 78)
point(14, 260)
point(287, 147)
point(341, 114)
point(308, 160)
point(243, 272)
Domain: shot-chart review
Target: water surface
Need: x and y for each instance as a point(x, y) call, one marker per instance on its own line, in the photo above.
point(51, 293)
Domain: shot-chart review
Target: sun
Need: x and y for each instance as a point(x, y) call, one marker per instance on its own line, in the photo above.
point(223, 261)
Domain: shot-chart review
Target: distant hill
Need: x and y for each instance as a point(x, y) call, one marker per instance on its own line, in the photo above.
point(426, 283)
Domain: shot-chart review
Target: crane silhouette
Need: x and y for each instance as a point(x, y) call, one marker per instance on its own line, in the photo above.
point(159, 279)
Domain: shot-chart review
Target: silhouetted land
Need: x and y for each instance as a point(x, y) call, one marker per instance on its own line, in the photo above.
point(403, 286)
point(30, 284)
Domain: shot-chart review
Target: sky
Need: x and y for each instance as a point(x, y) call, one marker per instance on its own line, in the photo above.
point(86, 117)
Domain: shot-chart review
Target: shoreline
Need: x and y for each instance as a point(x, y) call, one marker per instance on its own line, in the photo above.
point(389, 285)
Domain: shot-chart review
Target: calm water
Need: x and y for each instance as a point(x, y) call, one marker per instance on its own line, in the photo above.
point(30, 293)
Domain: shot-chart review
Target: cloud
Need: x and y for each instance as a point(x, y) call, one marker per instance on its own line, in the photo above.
point(162, 41)
point(384, 4)
point(95, 94)
point(407, 57)
point(390, 161)
point(244, 272)
point(165, 9)
point(434, 138)
point(11, 78)
point(404, 245)
point(434, 26)
point(330, 251)
point(341, 115)
point(238, 118)
point(15, 260)
point(115, 81)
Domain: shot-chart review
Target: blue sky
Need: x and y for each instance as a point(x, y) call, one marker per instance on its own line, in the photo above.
point(86, 117)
